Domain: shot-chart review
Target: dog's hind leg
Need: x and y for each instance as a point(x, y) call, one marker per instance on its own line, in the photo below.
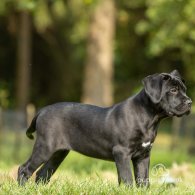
point(49, 168)
point(40, 155)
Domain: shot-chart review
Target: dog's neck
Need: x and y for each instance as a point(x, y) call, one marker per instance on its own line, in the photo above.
point(151, 115)
point(154, 111)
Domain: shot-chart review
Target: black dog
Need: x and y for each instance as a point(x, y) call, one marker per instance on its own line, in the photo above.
point(119, 133)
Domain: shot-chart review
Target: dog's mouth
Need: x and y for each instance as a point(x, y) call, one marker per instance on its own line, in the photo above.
point(188, 112)
point(180, 112)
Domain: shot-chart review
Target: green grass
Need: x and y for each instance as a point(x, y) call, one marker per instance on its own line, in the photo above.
point(93, 185)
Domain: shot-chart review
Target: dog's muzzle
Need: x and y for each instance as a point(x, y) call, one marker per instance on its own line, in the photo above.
point(183, 109)
point(188, 103)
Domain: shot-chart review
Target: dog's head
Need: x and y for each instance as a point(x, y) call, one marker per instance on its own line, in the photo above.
point(169, 92)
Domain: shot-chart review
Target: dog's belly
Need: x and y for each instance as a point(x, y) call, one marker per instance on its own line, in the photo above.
point(95, 154)
point(91, 144)
point(96, 148)
point(89, 136)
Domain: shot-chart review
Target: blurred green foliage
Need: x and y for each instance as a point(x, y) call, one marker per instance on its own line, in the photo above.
point(151, 36)
point(170, 25)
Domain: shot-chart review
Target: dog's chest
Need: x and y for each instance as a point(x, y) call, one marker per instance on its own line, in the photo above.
point(148, 138)
point(142, 150)
point(146, 144)
point(149, 134)
point(143, 146)
point(143, 143)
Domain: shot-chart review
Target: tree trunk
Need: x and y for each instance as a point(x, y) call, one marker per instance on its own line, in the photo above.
point(24, 60)
point(23, 75)
point(97, 86)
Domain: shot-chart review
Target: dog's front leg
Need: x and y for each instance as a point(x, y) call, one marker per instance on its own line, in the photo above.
point(122, 160)
point(141, 171)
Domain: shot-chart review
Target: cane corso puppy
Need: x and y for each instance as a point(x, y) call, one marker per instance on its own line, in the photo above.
point(120, 133)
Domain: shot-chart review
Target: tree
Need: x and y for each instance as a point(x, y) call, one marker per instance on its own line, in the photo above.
point(19, 21)
point(170, 27)
point(24, 60)
point(98, 74)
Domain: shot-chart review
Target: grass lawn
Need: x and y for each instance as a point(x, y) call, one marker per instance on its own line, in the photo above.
point(82, 175)
point(65, 182)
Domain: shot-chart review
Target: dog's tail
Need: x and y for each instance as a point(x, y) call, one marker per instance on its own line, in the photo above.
point(32, 128)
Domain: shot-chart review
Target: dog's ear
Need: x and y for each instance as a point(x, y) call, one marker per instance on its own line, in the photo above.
point(177, 74)
point(153, 85)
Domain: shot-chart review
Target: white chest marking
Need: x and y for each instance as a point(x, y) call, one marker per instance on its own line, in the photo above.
point(145, 144)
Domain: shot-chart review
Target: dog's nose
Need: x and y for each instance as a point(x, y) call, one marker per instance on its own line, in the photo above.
point(188, 102)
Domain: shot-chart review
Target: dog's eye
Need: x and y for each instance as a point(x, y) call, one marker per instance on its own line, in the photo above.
point(174, 90)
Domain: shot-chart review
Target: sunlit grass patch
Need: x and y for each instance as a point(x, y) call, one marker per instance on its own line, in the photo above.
point(74, 185)
point(97, 183)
